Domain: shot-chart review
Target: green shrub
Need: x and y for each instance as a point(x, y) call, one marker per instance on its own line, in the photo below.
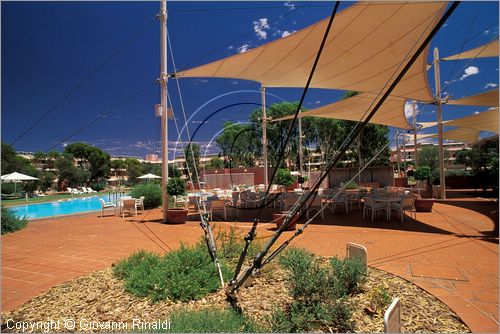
point(184, 274)
point(318, 302)
point(230, 245)
point(347, 275)
point(151, 192)
point(422, 173)
point(211, 321)
point(284, 177)
point(176, 186)
point(351, 185)
point(379, 298)
point(11, 223)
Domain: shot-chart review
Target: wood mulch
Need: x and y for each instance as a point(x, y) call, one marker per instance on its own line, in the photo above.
point(100, 297)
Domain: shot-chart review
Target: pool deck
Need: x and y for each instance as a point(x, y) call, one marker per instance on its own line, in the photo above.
point(452, 252)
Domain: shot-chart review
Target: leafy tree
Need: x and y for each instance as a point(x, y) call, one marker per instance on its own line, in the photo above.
point(429, 156)
point(93, 161)
point(46, 180)
point(284, 177)
point(215, 163)
point(176, 186)
point(191, 151)
point(134, 169)
point(239, 143)
point(11, 162)
point(68, 172)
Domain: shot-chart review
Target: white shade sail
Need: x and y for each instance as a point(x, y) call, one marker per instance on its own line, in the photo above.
point(424, 125)
point(484, 51)
point(355, 108)
point(484, 121)
point(486, 99)
point(369, 44)
point(17, 177)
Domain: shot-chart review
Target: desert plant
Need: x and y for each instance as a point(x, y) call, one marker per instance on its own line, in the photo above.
point(347, 275)
point(184, 274)
point(211, 321)
point(317, 303)
point(10, 222)
point(284, 177)
point(176, 186)
point(151, 192)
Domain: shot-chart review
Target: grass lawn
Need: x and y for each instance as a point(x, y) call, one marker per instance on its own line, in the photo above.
point(43, 199)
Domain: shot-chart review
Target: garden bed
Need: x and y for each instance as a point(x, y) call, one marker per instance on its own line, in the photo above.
point(100, 296)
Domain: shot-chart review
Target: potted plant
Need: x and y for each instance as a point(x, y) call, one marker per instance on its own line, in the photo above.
point(284, 178)
point(176, 187)
point(423, 174)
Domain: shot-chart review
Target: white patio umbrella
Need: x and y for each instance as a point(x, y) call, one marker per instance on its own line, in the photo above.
point(17, 177)
point(149, 176)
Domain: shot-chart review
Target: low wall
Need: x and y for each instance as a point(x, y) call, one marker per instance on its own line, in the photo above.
point(384, 176)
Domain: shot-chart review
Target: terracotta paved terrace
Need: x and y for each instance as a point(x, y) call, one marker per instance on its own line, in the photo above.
point(452, 252)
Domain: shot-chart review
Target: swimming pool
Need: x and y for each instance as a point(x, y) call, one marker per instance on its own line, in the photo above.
point(61, 207)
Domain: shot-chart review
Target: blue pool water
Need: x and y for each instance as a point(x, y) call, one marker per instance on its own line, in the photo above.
point(61, 207)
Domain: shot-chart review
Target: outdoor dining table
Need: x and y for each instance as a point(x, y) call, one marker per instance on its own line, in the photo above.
point(387, 201)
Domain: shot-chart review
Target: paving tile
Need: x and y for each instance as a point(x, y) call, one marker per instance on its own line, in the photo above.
point(432, 252)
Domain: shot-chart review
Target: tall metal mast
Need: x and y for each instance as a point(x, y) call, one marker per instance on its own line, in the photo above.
point(413, 107)
point(264, 132)
point(437, 82)
point(163, 105)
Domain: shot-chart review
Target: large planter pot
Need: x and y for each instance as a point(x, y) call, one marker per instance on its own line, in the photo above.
point(279, 218)
point(424, 205)
point(177, 216)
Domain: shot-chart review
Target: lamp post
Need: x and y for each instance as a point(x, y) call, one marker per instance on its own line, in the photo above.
point(437, 82)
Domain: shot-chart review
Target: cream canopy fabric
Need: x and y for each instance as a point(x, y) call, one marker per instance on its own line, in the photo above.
point(354, 109)
point(369, 44)
point(484, 51)
point(484, 121)
point(424, 125)
point(486, 99)
point(459, 134)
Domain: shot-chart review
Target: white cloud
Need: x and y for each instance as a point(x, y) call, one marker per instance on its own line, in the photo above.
point(317, 102)
point(471, 70)
point(287, 33)
point(409, 110)
point(233, 82)
point(290, 5)
point(476, 112)
point(230, 47)
point(490, 85)
point(486, 32)
point(244, 48)
point(259, 27)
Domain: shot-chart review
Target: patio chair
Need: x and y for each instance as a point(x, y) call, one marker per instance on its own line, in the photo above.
point(315, 204)
point(91, 190)
point(290, 200)
point(105, 205)
point(129, 205)
point(251, 200)
point(218, 206)
point(140, 203)
point(342, 200)
point(407, 203)
point(374, 207)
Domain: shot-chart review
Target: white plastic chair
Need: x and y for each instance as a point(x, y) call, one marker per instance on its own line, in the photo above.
point(105, 205)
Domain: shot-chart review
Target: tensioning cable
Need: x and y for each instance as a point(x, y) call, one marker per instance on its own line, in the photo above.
point(204, 221)
point(234, 284)
point(258, 260)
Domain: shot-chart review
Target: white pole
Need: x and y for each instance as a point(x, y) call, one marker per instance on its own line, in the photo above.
point(405, 167)
point(415, 133)
point(440, 124)
point(398, 152)
point(301, 163)
point(264, 133)
point(164, 113)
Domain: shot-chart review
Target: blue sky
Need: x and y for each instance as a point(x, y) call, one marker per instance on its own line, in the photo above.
point(49, 47)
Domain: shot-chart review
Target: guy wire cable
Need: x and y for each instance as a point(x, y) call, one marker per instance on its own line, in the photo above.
point(118, 106)
point(203, 217)
point(248, 238)
point(300, 230)
point(257, 262)
point(83, 81)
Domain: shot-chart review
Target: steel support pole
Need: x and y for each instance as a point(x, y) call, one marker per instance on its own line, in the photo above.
point(405, 166)
point(264, 133)
point(164, 114)
point(437, 83)
point(415, 154)
point(398, 153)
point(301, 162)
